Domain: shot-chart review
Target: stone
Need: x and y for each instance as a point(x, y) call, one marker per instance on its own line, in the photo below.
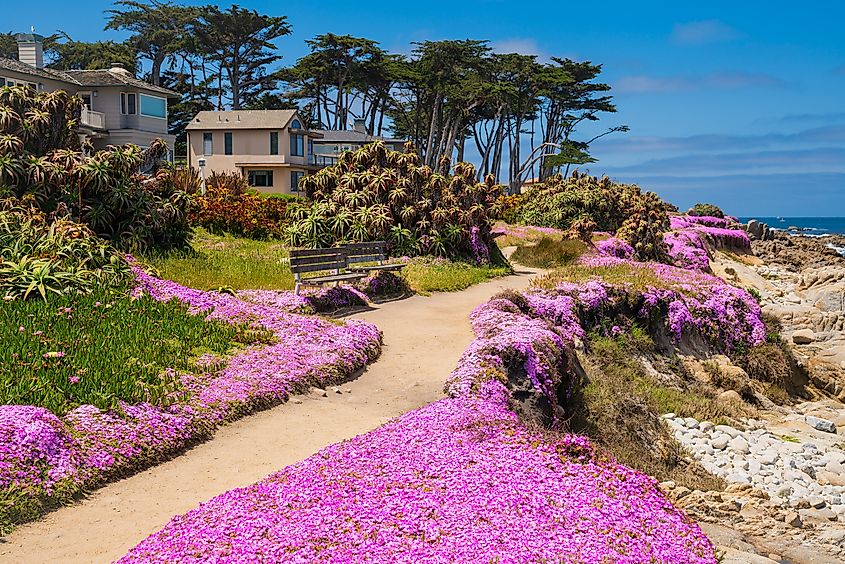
point(816, 502)
point(730, 396)
point(738, 478)
point(818, 515)
point(336, 390)
point(833, 536)
point(803, 336)
point(793, 519)
point(739, 445)
point(296, 401)
point(669, 415)
point(730, 431)
point(820, 424)
point(705, 426)
point(691, 423)
point(720, 442)
point(321, 392)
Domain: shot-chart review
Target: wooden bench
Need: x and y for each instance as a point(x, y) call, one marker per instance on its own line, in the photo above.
point(333, 261)
point(374, 251)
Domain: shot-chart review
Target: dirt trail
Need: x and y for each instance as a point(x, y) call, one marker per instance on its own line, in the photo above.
point(423, 338)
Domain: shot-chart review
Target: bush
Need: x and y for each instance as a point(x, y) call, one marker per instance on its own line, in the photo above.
point(41, 254)
point(40, 155)
point(549, 253)
point(230, 206)
point(582, 203)
point(706, 210)
point(375, 194)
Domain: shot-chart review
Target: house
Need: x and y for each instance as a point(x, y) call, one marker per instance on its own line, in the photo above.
point(332, 143)
point(118, 108)
point(272, 148)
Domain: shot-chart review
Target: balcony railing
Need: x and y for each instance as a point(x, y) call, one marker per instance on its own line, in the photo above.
point(94, 120)
point(323, 160)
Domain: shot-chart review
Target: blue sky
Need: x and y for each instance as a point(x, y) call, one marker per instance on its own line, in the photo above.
point(738, 103)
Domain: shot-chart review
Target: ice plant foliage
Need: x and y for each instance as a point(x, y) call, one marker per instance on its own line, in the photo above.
point(38, 449)
point(692, 237)
point(461, 480)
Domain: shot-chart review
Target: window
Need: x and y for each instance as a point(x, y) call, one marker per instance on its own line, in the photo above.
point(153, 106)
point(227, 143)
point(207, 143)
point(127, 103)
point(295, 124)
point(260, 178)
point(86, 99)
point(295, 177)
point(297, 145)
point(274, 142)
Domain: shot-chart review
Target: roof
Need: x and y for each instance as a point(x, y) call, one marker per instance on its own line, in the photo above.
point(350, 136)
point(115, 78)
point(84, 77)
point(16, 66)
point(242, 119)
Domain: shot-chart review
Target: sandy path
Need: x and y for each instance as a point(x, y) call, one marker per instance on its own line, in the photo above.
point(423, 338)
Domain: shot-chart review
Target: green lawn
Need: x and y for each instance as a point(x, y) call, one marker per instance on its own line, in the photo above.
point(427, 277)
point(244, 264)
point(101, 348)
point(236, 262)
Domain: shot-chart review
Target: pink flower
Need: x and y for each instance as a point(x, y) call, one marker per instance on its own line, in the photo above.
point(54, 354)
point(73, 379)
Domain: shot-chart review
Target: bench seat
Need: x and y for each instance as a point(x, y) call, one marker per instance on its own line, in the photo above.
point(332, 278)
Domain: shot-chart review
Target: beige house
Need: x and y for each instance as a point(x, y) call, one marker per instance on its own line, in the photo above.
point(271, 148)
point(332, 143)
point(118, 109)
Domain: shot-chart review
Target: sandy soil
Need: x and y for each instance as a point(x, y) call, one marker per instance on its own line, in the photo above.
point(423, 338)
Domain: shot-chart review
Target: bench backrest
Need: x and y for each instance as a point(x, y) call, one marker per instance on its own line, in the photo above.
point(316, 260)
point(372, 251)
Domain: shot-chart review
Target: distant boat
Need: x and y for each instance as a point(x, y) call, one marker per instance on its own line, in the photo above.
point(782, 220)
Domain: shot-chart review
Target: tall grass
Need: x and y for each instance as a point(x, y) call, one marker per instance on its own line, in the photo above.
point(549, 253)
point(101, 348)
point(235, 262)
point(427, 277)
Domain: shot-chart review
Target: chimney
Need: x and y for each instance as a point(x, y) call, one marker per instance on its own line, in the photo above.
point(360, 126)
point(31, 49)
point(118, 68)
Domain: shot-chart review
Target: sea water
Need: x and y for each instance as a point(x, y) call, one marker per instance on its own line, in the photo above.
point(811, 226)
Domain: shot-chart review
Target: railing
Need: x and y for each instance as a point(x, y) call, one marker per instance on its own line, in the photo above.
point(96, 120)
point(323, 160)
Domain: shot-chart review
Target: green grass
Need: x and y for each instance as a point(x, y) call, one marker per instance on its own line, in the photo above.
point(640, 278)
point(549, 252)
point(621, 404)
point(225, 260)
point(101, 348)
point(427, 277)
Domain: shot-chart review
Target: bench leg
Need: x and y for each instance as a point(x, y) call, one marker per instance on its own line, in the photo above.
point(296, 289)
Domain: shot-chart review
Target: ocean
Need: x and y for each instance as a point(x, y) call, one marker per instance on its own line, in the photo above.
point(812, 226)
point(809, 225)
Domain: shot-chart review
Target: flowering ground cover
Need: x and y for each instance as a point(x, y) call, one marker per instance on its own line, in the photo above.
point(461, 480)
point(464, 479)
point(692, 237)
point(45, 458)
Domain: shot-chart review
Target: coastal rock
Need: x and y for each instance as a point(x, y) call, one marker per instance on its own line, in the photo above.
point(820, 424)
point(803, 337)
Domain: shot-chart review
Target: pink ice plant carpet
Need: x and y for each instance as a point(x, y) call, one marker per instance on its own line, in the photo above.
point(463, 479)
point(41, 453)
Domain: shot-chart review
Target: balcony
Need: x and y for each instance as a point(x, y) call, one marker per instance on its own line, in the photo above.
point(323, 160)
point(94, 120)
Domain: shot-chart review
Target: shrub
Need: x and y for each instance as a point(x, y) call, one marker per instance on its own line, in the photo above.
point(41, 254)
point(644, 228)
point(230, 206)
point(376, 194)
point(549, 253)
point(706, 210)
point(40, 155)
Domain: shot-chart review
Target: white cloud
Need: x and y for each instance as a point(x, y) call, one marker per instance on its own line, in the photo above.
point(703, 32)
